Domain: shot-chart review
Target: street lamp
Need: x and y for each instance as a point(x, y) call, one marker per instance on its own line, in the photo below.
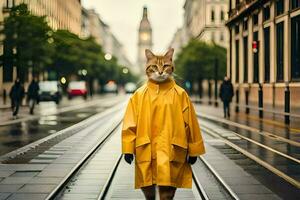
point(108, 56)
point(84, 72)
point(125, 70)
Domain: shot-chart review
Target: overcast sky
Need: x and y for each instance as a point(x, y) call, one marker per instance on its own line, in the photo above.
point(123, 16)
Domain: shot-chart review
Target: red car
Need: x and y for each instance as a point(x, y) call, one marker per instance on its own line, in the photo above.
point(77, 88)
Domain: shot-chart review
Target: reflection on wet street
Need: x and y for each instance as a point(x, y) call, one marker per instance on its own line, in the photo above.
point(14, 136)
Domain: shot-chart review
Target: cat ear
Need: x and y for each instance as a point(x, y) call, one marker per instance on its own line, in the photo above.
point(149, 54)
point(169, 54)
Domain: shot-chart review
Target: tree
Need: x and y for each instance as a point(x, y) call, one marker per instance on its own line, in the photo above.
point(196, 62)
point(27, 41)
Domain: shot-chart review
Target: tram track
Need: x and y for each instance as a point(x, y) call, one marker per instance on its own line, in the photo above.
point(234, 145)
point(57, 192)
point(219, 181)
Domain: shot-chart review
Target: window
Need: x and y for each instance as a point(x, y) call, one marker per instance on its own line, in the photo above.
point(245, 25)
point(222, 15)
point(295, 69)
point(255, 19)
point(212, 15)
point(266, 13)
point(237, 29)
point(255, 61)
point(267, 53)
point(295, 4)
point(237, 61)
point(10, 3)
point(279, 7)
point(279, 51)
point(222, 36)
point(245, 51)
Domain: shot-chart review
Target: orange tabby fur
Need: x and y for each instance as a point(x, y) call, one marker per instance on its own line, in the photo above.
point(159, 68)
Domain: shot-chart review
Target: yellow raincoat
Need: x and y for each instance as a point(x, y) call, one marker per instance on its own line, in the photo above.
point(160, 127)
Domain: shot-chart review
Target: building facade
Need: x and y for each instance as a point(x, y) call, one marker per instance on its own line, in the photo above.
point(144, 40)
point(205, 20)
point(178, 41)
point(60, 15)
point(264, 51)
point(101, 32)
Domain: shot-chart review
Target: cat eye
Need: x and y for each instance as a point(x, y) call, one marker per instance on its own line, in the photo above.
point(167, 65)
point(153, 66)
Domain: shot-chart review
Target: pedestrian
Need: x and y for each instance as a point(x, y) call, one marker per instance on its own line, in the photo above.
point(160, 130)
point(32, 94)
point(16, 95)
point(226, 94)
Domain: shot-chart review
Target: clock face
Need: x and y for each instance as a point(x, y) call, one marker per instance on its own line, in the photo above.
point(145, 36)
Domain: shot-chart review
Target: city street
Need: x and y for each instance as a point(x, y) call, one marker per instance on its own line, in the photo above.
point(245, 159)
point(140, 99)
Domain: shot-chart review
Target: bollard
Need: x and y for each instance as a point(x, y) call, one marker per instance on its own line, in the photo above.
point(237, 99)
point(287, 95)
point(260, 101)
point(247, 100)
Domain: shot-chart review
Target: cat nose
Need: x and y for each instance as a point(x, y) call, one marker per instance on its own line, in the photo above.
point(160, 73)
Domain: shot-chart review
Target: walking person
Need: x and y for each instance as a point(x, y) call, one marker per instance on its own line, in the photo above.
point(16, 95)
point(32, 94)
point(160, 130)
point(226, 94)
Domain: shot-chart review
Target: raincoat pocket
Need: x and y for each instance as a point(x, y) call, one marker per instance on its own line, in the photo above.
point(178, 153)
point(143, 150)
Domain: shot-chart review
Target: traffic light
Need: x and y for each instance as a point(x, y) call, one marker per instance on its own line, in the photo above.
point(255, 46)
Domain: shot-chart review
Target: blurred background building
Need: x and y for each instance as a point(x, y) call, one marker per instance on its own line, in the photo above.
point(264, 54)
point(60, 14)
point(66, 15)
point(93, 25)
point(203, 20)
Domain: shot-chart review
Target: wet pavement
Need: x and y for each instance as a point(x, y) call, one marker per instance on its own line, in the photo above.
point(268, 140)
point(17, 135)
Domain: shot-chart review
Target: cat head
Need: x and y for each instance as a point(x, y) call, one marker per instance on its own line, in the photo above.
point(159, 68)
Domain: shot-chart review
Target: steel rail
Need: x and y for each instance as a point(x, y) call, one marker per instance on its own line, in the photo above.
point(200, 188)
point(219, 178)
point(109, 180)
point(266, 165)
point(56, 192)
point(248, 128)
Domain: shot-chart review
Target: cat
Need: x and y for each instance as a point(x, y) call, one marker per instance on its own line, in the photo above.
point(159, 68)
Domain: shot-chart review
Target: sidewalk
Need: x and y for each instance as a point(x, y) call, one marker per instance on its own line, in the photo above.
point(270, 122)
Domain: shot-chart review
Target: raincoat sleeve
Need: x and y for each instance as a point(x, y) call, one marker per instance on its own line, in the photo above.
point(195, 141)
point(129, 129)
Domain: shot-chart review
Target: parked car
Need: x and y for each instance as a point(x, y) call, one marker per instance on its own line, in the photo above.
point(50, 91)
point(77, 88)
point(111, 87)
point(130, 87)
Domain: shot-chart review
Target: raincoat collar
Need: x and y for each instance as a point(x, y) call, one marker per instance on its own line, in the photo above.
point(161, 86)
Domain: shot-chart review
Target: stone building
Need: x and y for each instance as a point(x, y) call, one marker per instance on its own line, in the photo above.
point(264, 51)
point(103, 35)
point(60, 15)
point(205, 20)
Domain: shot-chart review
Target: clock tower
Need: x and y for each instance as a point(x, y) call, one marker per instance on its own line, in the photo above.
point(144, 40)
